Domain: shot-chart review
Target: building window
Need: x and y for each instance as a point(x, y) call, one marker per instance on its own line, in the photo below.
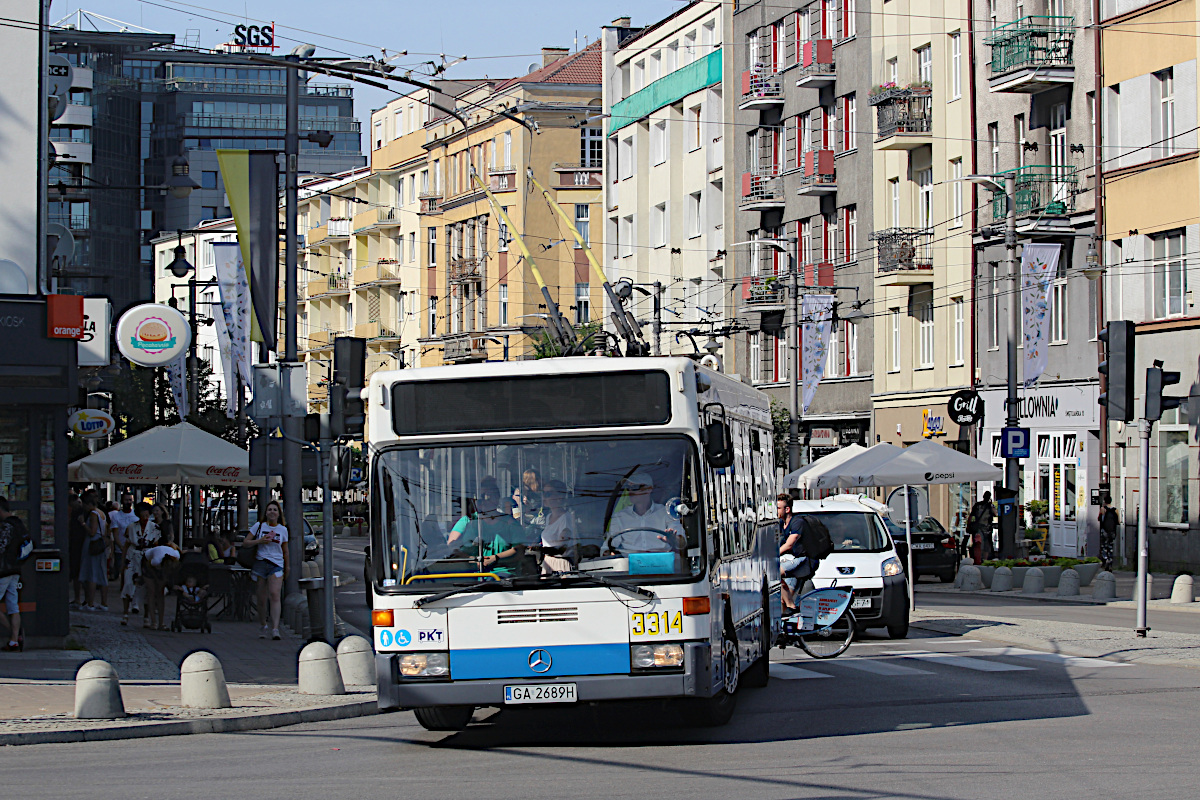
point(658, 225)
point(894, 314)
point(432, 247)
point(503, 304)
point(894, 193)
point(994, 144)
point(693, 214)
point(412, 247)
point(926, 332)
point(829, 238)
point(994, 327)
point(832, 356)
point(583, 304)
point(955, 65)
point(1173, 478)
point(208, 179)
point(658, 142)
point(625, 237)
point(502, 233)
point(893, 70)
point(1019, 129)
point(925, 64)
point(625, 158)
point(591, 147)
point(583, 223)
point(925, 200)
point(433, 316)
point(1058, 308)
point(1170, 274)
point(849, 122)
point(755, 358)
point(960, 331)
point(695, 136)
point(991, 10)
point(850, 233)
point(781, 358)
point(639, 75)
point(851, 349)
point(956, 193)
point(1166, 109)
point(849, 23)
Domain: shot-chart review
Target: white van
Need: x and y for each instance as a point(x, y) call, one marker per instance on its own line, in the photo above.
point(864, 559)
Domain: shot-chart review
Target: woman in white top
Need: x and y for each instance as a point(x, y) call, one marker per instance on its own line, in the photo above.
point(140, 535)
point(561, 531)
point(269, 538)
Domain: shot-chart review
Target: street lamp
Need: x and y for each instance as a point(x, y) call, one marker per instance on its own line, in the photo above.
point(179, 184)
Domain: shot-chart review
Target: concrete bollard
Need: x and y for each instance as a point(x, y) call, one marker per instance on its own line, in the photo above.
point(202, 682)
point(1002, 579)
point(98, 692)
point(969, 579)
point(319, 672)
point(347, 532)
point(295, 612)
point(356, 661)
point(1183, 591)
point(1068, 583)
point(1104, 586)
point(1035, 581)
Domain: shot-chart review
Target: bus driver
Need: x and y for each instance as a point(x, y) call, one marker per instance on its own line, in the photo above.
point(645, 526)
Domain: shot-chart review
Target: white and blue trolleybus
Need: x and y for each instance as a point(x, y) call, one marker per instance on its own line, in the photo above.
point(570, 530)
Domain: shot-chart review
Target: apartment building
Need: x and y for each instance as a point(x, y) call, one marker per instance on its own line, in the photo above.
point(805, 162)
point(664, 184)
point(480, 298)
point(1035, 121)
point(921, 231)
point(1151, 209)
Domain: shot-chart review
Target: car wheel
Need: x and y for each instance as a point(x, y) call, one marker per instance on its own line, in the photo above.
point(899, 630)
point(948, 576)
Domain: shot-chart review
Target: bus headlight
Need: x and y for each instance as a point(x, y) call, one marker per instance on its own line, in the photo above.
point(656, 656)
point(424, 665)
point(892, 567)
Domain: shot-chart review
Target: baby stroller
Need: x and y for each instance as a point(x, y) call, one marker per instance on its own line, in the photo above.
point(191, 605)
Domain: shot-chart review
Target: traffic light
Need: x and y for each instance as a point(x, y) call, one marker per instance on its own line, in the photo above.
point(1156, 381)
point(1118, 364)
point(347, 411)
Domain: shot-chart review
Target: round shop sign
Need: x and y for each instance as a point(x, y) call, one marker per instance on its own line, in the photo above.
point(91, 423)
point(965, 407)
point(153, 335)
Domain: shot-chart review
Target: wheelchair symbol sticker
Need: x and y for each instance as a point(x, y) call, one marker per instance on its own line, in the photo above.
point(399, 638)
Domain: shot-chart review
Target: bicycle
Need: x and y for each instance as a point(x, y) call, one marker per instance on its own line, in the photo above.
point(823, 625)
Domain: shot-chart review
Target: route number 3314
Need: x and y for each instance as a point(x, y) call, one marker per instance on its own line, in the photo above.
point(655, 623)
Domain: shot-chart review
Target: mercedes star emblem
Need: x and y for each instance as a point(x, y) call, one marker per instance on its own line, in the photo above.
point(539, 661)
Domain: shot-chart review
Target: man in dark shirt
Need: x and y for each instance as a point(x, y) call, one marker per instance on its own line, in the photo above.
point(794, 566)
point(1108, 531)
point(979, 523)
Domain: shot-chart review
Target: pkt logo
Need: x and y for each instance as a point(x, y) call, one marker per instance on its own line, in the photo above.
point(430, 636)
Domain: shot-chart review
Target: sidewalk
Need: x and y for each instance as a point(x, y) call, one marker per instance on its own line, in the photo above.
point(37, 689)
point(1160, 590)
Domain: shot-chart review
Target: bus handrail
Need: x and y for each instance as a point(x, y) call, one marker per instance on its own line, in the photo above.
point(440, 575)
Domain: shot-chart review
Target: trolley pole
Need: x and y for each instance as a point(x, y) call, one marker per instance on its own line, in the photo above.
point(658, 318)
point(1012, 466)
point(292, 426)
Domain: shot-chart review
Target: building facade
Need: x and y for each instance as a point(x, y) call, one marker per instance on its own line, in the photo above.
point(805, 162)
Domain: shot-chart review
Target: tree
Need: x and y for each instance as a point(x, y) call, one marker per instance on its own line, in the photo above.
point(546, 346)
point(780, 419)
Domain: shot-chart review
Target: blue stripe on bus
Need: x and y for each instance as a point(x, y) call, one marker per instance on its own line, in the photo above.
point(565, 659)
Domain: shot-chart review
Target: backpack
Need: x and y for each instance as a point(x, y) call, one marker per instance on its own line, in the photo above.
point(815, 538)
point(16, 545)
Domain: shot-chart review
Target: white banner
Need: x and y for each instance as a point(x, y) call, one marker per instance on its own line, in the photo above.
point(233, 324)
point(817, 311)
point(177, 377)
point(1039, 264)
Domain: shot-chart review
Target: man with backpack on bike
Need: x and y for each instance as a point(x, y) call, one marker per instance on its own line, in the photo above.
point(13, 538)
point(803, 545)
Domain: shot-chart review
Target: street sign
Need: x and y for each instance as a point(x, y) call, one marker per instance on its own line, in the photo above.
point(965, 407)
point(267, 406)
point(1014, 443)
point(94, 348)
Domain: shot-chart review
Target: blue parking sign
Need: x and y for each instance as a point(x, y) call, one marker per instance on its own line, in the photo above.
point(1014, 443)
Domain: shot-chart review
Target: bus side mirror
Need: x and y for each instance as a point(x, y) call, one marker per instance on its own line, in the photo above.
point(718, 443)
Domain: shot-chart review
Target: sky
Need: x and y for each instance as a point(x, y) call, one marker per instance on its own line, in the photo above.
point(499, 39)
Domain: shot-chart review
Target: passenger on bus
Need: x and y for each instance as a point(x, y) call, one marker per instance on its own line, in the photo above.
point(527, 498)
point(644, 526)
point(559, 535)
point(490, 534)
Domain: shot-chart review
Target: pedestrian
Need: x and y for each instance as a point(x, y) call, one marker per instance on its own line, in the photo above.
point(118, 520)
point(268, 538)
point(1109, 522)
point(76, 536)
point(13, 536)
point(140, 535)
point(158, 566)
point(979, 524)
point(93, 569)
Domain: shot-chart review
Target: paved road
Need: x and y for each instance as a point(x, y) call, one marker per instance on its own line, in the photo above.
point(932, 717)
point(351, 599)
point(1014, 607)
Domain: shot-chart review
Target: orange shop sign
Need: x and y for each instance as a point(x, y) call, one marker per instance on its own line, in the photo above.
point(64, 316)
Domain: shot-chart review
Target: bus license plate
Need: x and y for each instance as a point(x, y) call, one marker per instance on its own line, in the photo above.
point(540, 693)
point(861, 602)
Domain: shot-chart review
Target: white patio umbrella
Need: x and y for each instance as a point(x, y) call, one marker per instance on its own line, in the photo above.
point(929, 462)
point(855, 471)
point(177, 454)
point(803, 477)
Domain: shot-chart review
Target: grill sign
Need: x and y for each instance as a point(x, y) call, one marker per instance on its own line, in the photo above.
point(965, 407)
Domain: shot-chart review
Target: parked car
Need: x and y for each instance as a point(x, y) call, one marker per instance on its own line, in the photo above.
point(863, 558)
point(935, 550)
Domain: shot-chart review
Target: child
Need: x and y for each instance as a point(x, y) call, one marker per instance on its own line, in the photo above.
point(191, 591)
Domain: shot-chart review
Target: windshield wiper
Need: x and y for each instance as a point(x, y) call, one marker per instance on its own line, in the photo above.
point(489, 586)
point(596, 580)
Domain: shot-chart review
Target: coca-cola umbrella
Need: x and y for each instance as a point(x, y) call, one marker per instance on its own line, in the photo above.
point(176, 454)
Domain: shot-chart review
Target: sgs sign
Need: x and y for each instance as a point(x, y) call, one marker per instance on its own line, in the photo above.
point(257, 36)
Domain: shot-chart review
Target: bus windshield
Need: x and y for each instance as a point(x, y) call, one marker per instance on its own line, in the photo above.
point(616, 507)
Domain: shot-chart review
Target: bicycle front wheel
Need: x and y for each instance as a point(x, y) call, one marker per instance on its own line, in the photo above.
point(832, 641)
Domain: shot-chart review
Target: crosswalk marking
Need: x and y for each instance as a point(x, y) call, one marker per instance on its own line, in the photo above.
point(886, 667)
point(977, 664)
point(1058, 658)
point(791, 673)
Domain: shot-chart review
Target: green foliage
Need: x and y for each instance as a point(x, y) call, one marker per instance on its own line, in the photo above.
point(780, 418)
point(546, 346)
point(1040, 509)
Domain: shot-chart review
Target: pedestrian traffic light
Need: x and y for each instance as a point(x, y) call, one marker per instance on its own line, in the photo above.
point(1156, 380)
point(1117, 365)
point(347, 411)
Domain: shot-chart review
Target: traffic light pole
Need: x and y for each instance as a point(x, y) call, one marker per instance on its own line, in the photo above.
point(1012, 466)
point(329, 579)
point(292, 425)
point(1143, 569)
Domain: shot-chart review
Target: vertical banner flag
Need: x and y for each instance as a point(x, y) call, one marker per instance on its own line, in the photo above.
point(234, 319)
point(817, 311)
point(1039, 264)
point(252, 185)
point(177, 377)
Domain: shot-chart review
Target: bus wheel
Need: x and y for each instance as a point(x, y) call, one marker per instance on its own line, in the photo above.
point(712, 712)
point(444, 718)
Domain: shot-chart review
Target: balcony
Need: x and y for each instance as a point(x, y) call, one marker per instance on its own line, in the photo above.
point(462, 348)
point(904, 256)
point(816, 65)
point(387, 217)
point(579, 175)
point(375, 330)
point(904, 117)
point(463, 270)
point(761, 191)
point(761, 88)
point(431, 202)
point(330, 284)
point(1046, 192)
point(338, 228)
point(763, 292)
point(502, 179)
point(382, 272)
point(320, 339)
point(817, 173)
point(1032, 54)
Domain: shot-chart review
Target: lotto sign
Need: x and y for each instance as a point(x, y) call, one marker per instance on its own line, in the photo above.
point(91, 423)
point(153, 335)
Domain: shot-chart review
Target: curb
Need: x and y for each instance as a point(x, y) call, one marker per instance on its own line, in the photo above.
point(250, 722)
point(1017, 594)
